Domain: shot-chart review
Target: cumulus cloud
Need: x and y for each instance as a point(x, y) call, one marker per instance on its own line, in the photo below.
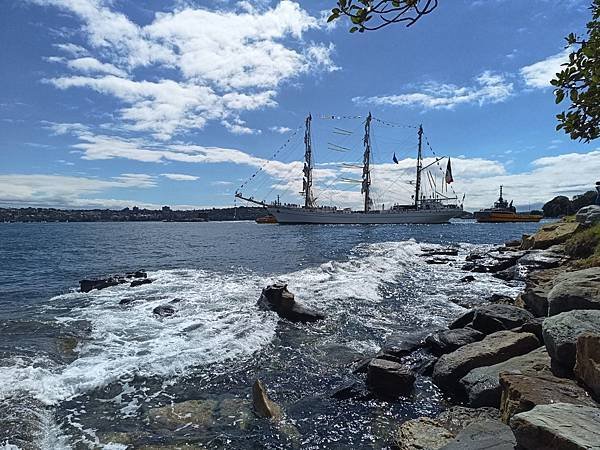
point(280, 130)
point(489, 87)
point(221, 62)
point(180, 177)
point(539, 74)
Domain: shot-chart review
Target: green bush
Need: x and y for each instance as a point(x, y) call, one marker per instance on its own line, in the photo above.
point(584, 244)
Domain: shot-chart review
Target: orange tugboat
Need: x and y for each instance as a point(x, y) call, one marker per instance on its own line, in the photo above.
point(505, 212)
point(266, 219)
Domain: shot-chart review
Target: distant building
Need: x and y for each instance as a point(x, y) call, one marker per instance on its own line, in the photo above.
point(166, 209)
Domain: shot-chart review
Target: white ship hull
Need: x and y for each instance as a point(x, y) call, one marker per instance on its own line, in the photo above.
point(287, 215)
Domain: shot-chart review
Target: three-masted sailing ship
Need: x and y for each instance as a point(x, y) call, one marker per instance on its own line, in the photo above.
point(424, 210)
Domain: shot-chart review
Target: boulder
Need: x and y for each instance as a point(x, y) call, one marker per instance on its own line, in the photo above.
point(482, 384)
point(467, 279)
point(527, 242)
point(513, 243)
point(277, 298)
point(447, 341)
point(140, 282)
point(462, 321)
point(501, 299)
point(487, 434)
point(263, 406)
point(575, 290)
point(388, 378)
point(491, 318)
point(561, 333)
point(456, 418)
point(421, 434)
point(588, 215)
point(197, 413)
point(535, 299)
point(554, 233)
point(523, 392)
point(89, 285)
point(532, 326)
point(494, 349)
point(402, 344)
point(352, 390)
point(561, 426)
point(587, 365)
point(164, 310)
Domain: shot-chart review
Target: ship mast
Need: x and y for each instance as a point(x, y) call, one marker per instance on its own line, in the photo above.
point(308, 166)
point(419, 167)
point(366, 176)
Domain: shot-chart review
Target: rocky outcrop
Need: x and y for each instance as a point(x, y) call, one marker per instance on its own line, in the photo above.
point(494, 349)
point(587, 366)
point(575, 290)
point(487, 434)
point(561, 333)
point(447, 341)
point(277, 298)
point(263, 406)
point(524, 392)
point(558, 426)
point(494, 261)
point(588, 215)
point(388, 378)
point(456, 418)
point(140, 282)
point(554, 233)
point(90, 285)
point(482, 384)
point(421, 434)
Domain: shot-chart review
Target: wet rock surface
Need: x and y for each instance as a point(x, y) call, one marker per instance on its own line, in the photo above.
point(140, 282)
point(389, 379)
point(558, 426)
point(491, 318)
point(455, 418)
point(447, 341)
point(421, 434)
point(487, 434)
point(579, 289)
point(262, 405)
point(164, 310)
point(561, 333)
point(277, 298)
point(587, 366)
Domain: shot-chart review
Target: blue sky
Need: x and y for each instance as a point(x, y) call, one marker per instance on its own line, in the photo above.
point(111, 103)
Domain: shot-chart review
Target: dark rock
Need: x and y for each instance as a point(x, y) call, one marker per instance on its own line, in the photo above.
point(140, 282)
point(491, 318)
point(561, 333)
point(560, 426)
point(389, 379)
point(487, 434)
point(512, 273)
point(361, 366)
point(536, 300)
point(449, 340)
point(263, 406)
point(482, 384)
point(494, 262)
point(463, 321)
point(438, 260)
point(89, 285)
point(448, 251)
point(351, 391)
point(587, 366)
point(277, 298)
point(513, 243)
point(524, 392)
point(588, 215)
point(532, 326)
point(467, 279)
point(136, 274)
point(500, 299)
point(494, 349)
point(402, 344)
point(575, 290)
point(456, 418)
point(537, 260)
point(126, 301)
point(164, 310)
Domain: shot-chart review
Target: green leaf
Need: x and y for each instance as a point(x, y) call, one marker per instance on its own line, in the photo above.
point(560, 95)
point(353, 29)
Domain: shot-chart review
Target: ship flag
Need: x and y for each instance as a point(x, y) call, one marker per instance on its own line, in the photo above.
point(449, 178)
point(394, 158)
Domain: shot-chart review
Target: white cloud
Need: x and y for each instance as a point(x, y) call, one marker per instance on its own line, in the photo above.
point(72, 49)
point(238, 126)
point(489, 87)
point(539, 74)
point(280, 130)
point(220, 62)
point(180, 177)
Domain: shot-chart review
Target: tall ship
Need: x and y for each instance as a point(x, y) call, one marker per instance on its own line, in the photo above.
point(433, 209)
point(503, 211)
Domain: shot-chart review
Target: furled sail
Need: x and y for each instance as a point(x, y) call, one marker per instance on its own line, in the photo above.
point(449, 178)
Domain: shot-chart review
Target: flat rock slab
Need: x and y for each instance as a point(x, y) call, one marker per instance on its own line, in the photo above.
point(421, 434)
point(524, 392)
point(561, 333)
point(487, 434)
point(587, 366)
point(494, 349)
point(447, 341)
point(554, 233)
point(456, 418)
point(388, 378)
point(482, 384)
point(575, 290)
point(558, 426)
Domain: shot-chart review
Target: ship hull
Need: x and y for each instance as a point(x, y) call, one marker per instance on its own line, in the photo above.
point(319, 216)
point(500, 217)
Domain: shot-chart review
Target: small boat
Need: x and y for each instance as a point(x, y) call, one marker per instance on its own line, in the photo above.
point(266, 219)
point(505, 212)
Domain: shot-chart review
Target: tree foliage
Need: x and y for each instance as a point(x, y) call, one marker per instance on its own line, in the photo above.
point(579, 81)
point(368, 15)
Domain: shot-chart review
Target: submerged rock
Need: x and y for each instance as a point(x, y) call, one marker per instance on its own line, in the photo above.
point(575, 290)
point(90, 285)
point(487, 434)
point(353, 390)
point(587, 366)
point(197, 413)
point(447, 341)
point(263, 406)
point(136, 274)
point(421, 434)
point(389, 379)
point(558, 426)
point(140, 282)
point(524, 392)
point(164, 310)
point(277, 298)
point(482, 384)
point(494, 349)
point(561, 333)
